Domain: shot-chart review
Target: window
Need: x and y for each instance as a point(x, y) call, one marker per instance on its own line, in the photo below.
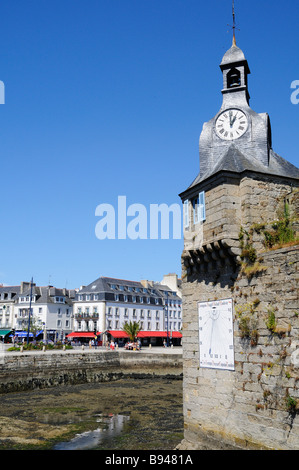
point(186, 213)
point(199, 210)
point(149, 314)
point(134, 312)
point(133, 298)
point(141, 313)
point(125, 298)
point(87, 297)
point(116, 297)
point(126, 312)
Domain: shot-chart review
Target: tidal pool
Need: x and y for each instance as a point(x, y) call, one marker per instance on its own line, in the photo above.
point(130, 414)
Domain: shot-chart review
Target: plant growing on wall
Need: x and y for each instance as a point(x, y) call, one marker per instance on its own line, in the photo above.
point(250, 263)
point(271, 321)
point(246, 314)
point(280, 231)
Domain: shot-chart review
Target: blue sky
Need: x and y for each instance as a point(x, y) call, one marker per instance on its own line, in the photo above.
point(108, 97)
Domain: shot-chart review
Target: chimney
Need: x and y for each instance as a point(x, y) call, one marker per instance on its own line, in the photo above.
point(25, 286)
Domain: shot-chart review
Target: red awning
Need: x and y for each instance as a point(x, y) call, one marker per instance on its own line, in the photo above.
point(176, 334)
point(159, 334)
point(82, 334)
point(118, 334)
point(146, 334)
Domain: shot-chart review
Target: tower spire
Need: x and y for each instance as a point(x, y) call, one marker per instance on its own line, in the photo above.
point(234, 25)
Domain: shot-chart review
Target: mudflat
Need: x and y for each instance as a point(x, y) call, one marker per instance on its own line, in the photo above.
point(130, 414)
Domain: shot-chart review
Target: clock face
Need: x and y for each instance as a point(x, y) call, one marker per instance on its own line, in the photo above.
point(216, 345)
point(231, 124)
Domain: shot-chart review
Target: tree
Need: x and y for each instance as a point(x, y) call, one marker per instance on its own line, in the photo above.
point(132, 329)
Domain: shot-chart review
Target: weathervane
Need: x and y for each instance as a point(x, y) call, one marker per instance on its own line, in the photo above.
point(234, 24)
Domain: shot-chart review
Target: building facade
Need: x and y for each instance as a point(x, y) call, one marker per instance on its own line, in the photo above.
point(106, 304)
point(50, 314)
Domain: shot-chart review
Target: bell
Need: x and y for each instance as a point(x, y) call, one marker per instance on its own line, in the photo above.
point(234, 80)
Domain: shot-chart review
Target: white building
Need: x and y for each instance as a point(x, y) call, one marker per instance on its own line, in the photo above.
point(106, 304)
point(50, 315)
point(7, 304)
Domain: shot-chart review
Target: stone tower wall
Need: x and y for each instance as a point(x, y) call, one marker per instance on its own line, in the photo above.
point(255, 405)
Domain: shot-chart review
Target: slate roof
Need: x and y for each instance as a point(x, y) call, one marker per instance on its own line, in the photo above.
point(46, 294)
point(234, 54)
point(102, 287)
point(235, 161)
point(11, 291)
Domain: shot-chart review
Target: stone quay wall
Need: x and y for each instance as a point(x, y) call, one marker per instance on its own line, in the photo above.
point(31, 370)
point(257, 404)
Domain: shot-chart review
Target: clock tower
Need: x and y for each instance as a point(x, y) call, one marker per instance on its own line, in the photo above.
point(236, 144)
point(243, 203)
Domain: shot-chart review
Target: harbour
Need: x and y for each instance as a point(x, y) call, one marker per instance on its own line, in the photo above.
point(124, 414)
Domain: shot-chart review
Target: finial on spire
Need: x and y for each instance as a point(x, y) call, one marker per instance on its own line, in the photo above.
point(234, 25)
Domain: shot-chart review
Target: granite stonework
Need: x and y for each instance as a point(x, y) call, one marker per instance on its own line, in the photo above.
point(247, 407)
point(245, 248)
point(20, 371)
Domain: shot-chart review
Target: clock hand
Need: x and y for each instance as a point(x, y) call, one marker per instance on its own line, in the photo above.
point(233, 121)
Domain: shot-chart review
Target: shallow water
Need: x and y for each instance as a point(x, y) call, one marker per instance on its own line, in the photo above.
point(110, 427)
point(131, 414)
